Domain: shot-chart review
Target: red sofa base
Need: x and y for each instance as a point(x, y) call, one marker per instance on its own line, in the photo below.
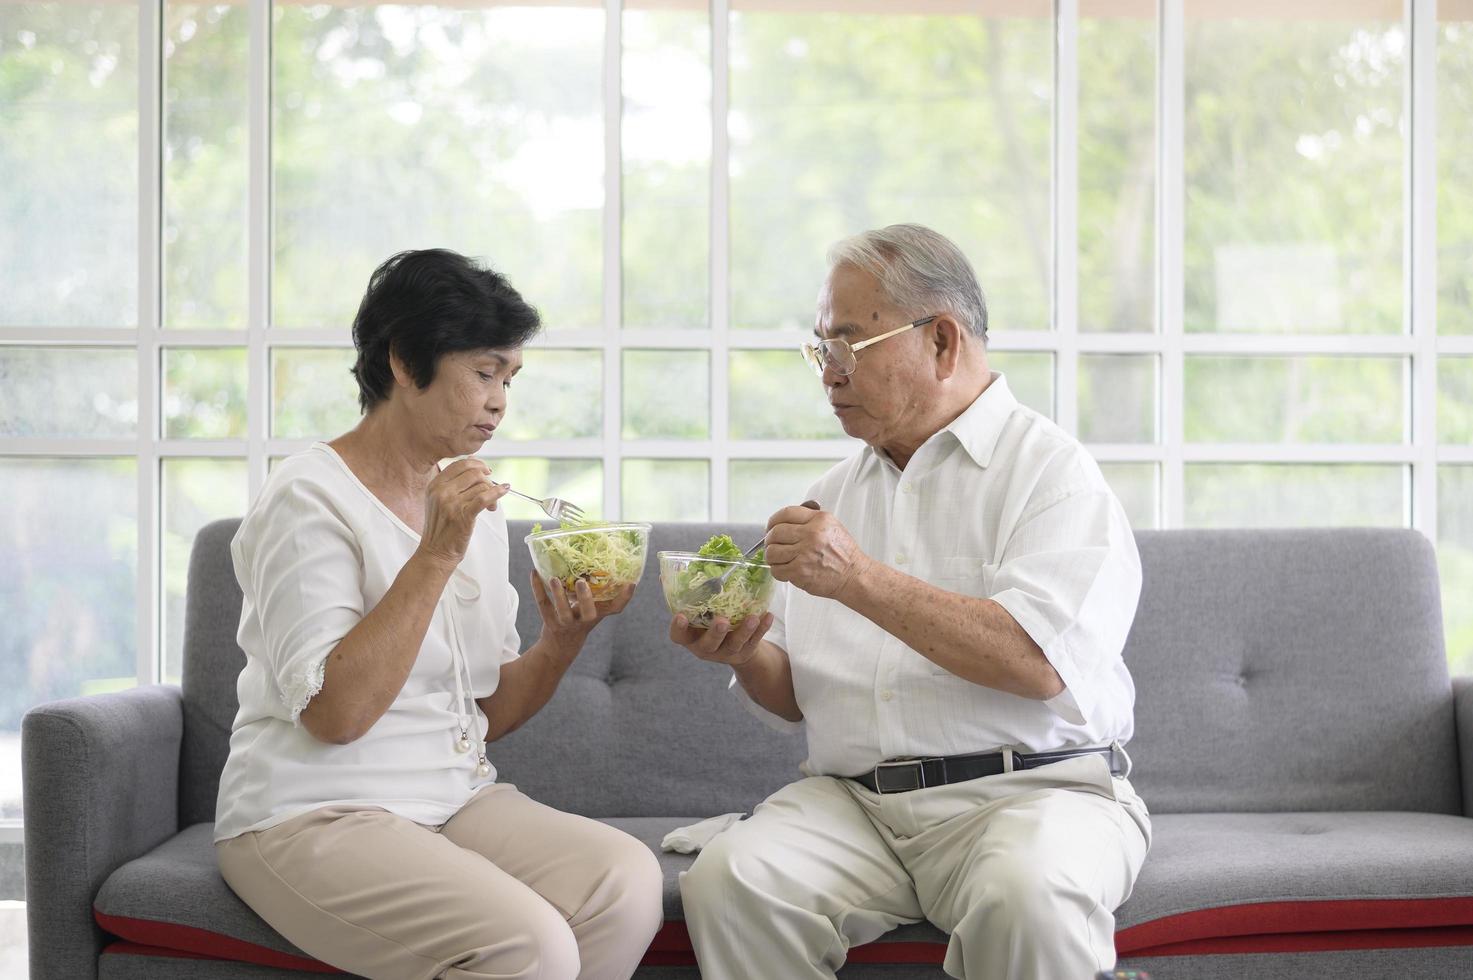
point(1267, 927)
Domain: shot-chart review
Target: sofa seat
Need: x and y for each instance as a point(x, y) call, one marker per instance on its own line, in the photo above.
point(173, 903)
point(1214, 883)
point(1300, 882)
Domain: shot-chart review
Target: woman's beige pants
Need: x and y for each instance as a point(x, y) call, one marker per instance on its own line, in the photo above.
point(507, 888)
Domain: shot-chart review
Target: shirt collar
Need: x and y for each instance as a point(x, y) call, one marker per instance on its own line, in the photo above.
point(977, 429)
point(980, 426)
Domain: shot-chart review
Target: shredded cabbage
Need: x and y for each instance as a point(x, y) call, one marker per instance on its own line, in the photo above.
point(607, 558)
point(746, 593)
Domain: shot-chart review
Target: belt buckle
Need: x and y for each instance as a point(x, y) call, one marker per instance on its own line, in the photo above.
point(899, 776)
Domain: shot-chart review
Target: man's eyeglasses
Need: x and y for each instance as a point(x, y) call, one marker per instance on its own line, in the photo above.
point(840, 354)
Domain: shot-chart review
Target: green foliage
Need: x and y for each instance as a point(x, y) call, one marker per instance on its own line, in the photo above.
point(666, 489)
point(482, 130)
point(1295, 399)
point(840, 123)
point(666, 394)
point(204, 393)
point(1294, 145)
point(73, 187)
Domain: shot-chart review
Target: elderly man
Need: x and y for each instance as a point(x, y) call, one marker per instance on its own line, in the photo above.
point(949, 635)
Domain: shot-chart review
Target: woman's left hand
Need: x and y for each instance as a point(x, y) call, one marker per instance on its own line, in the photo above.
point(568, 619)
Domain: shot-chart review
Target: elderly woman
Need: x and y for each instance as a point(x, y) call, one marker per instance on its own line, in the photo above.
point(358, 812)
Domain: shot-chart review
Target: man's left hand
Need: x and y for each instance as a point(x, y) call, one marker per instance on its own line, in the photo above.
point(813, 550)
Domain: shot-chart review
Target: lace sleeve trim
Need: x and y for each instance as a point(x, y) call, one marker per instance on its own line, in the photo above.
point(302, 687)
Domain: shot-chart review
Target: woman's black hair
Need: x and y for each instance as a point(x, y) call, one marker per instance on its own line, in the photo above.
point(422, 305)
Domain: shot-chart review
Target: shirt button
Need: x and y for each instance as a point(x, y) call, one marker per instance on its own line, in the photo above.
point(886, 695)
point(908, 488)
point(901, 559)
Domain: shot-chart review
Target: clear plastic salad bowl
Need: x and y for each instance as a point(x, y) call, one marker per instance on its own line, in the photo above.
point(606, 556)
point(746, 593)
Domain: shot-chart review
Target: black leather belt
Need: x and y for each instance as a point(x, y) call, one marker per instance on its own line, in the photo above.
point(904, 775)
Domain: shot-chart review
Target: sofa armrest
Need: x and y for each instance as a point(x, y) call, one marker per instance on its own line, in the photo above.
point(101, 787)
point(1463, 712)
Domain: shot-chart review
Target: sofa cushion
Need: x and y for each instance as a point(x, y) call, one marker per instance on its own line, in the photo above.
point(1212, 877)
point(1212, 883)
point(173, 898)
point(1291, 670)
point(212, 663)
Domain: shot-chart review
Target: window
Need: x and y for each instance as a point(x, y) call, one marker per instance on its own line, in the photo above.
point(1192, 235)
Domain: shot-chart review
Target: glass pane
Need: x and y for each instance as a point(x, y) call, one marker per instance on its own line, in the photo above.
point(667, 394)
point(666, 144)
point(1293, 168)
point(69, 547)
point(756, 488)
point(557, 395)
point(1296, 399)
point(205, 179)
point(580, 481)
point(313, 394)
point(1455, 169)
point(69, 160)
point(478, 129)
point(195, 492)
point(1117, 397)
point(1137, 486)
point(1117, 164)
point(1295, 495)
point(772, 394)
point(204, 393)
point(666, 490)
point(845, 121)
point(1030, 377)
point(1455, 562)
point(1455, 400)
point(61, 392)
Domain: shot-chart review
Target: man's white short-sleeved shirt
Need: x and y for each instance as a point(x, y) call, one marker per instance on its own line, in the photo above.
point(1001, 504)
point(315, 553)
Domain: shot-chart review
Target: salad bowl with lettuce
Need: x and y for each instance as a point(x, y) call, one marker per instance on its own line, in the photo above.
point(746, 591)
point(606, 556)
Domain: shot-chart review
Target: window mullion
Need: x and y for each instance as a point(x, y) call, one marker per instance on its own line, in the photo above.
point(1421, 257)
point(259, 203)
point(150, 268)
point(1171, 238)
point(613, 313)
point(1066, 212)
point(720, 256)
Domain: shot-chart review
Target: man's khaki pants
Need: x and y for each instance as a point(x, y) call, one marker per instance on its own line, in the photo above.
point(506, 888)
point(1023, 869)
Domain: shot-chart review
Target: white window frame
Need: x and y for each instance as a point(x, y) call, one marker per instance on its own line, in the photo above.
point(1421, 344)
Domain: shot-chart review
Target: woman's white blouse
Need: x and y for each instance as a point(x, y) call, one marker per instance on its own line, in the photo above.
point(314, 554)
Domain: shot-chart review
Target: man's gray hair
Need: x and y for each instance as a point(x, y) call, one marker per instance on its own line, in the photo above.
point(920, 270)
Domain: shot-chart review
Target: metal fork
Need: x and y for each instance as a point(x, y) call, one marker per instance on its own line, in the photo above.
point(701, 591)
point(555, 507)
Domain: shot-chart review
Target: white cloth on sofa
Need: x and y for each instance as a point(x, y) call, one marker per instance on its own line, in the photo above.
point(689, 839)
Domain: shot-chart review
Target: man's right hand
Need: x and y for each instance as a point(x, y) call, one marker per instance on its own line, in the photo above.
point(453, 500)
point(720, 643)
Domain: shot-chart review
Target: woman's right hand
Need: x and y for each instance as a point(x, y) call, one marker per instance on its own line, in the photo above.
point(453, 500)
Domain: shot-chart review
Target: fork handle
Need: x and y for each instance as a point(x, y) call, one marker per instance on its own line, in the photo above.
point(512, 489)
point(810, 504)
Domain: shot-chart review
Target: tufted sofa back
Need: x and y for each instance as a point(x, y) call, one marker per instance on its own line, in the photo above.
point(1275, 670)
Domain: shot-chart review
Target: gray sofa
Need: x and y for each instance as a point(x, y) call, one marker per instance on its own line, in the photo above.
point(1298, 738)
